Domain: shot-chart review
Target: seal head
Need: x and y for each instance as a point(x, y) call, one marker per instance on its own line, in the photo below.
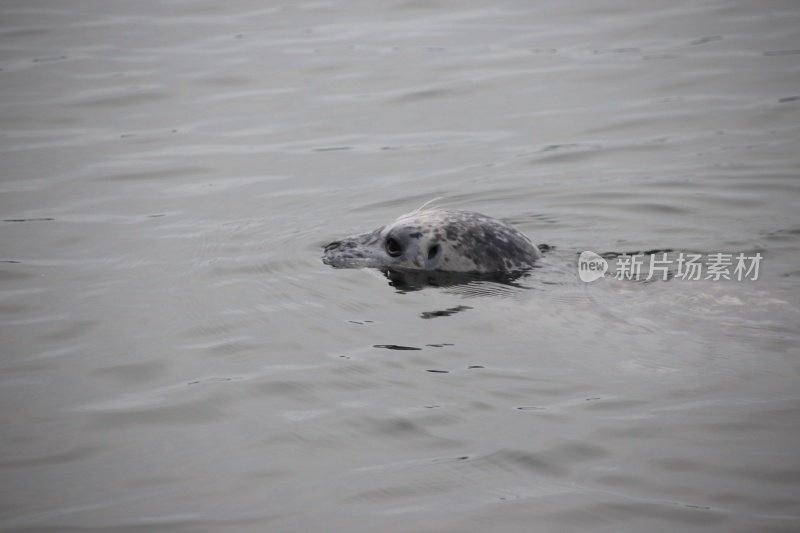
point(437, 240)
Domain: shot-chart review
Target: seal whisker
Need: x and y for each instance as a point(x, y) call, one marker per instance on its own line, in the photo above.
point(426, 204)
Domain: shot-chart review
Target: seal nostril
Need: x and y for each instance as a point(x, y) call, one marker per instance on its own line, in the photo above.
point(332, 246)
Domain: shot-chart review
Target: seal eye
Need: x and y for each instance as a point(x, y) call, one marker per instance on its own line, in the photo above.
point(432, 251)
point(393, 247)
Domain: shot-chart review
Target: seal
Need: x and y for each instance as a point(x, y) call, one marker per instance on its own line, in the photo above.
point(437, 240)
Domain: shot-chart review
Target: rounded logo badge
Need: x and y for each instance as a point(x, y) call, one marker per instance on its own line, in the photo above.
point(591, 266)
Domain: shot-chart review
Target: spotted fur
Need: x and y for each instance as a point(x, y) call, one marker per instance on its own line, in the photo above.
point(437, 240)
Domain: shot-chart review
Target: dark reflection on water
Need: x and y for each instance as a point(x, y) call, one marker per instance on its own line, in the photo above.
point(409, 281)
point(445, 312)
point(395, 347)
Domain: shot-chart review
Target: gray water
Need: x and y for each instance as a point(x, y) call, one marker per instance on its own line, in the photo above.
point(175, 356)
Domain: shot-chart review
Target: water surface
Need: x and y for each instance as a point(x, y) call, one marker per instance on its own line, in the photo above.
point(176, 356)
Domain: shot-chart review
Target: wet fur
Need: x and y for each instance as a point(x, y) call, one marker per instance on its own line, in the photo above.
point(438, 240)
